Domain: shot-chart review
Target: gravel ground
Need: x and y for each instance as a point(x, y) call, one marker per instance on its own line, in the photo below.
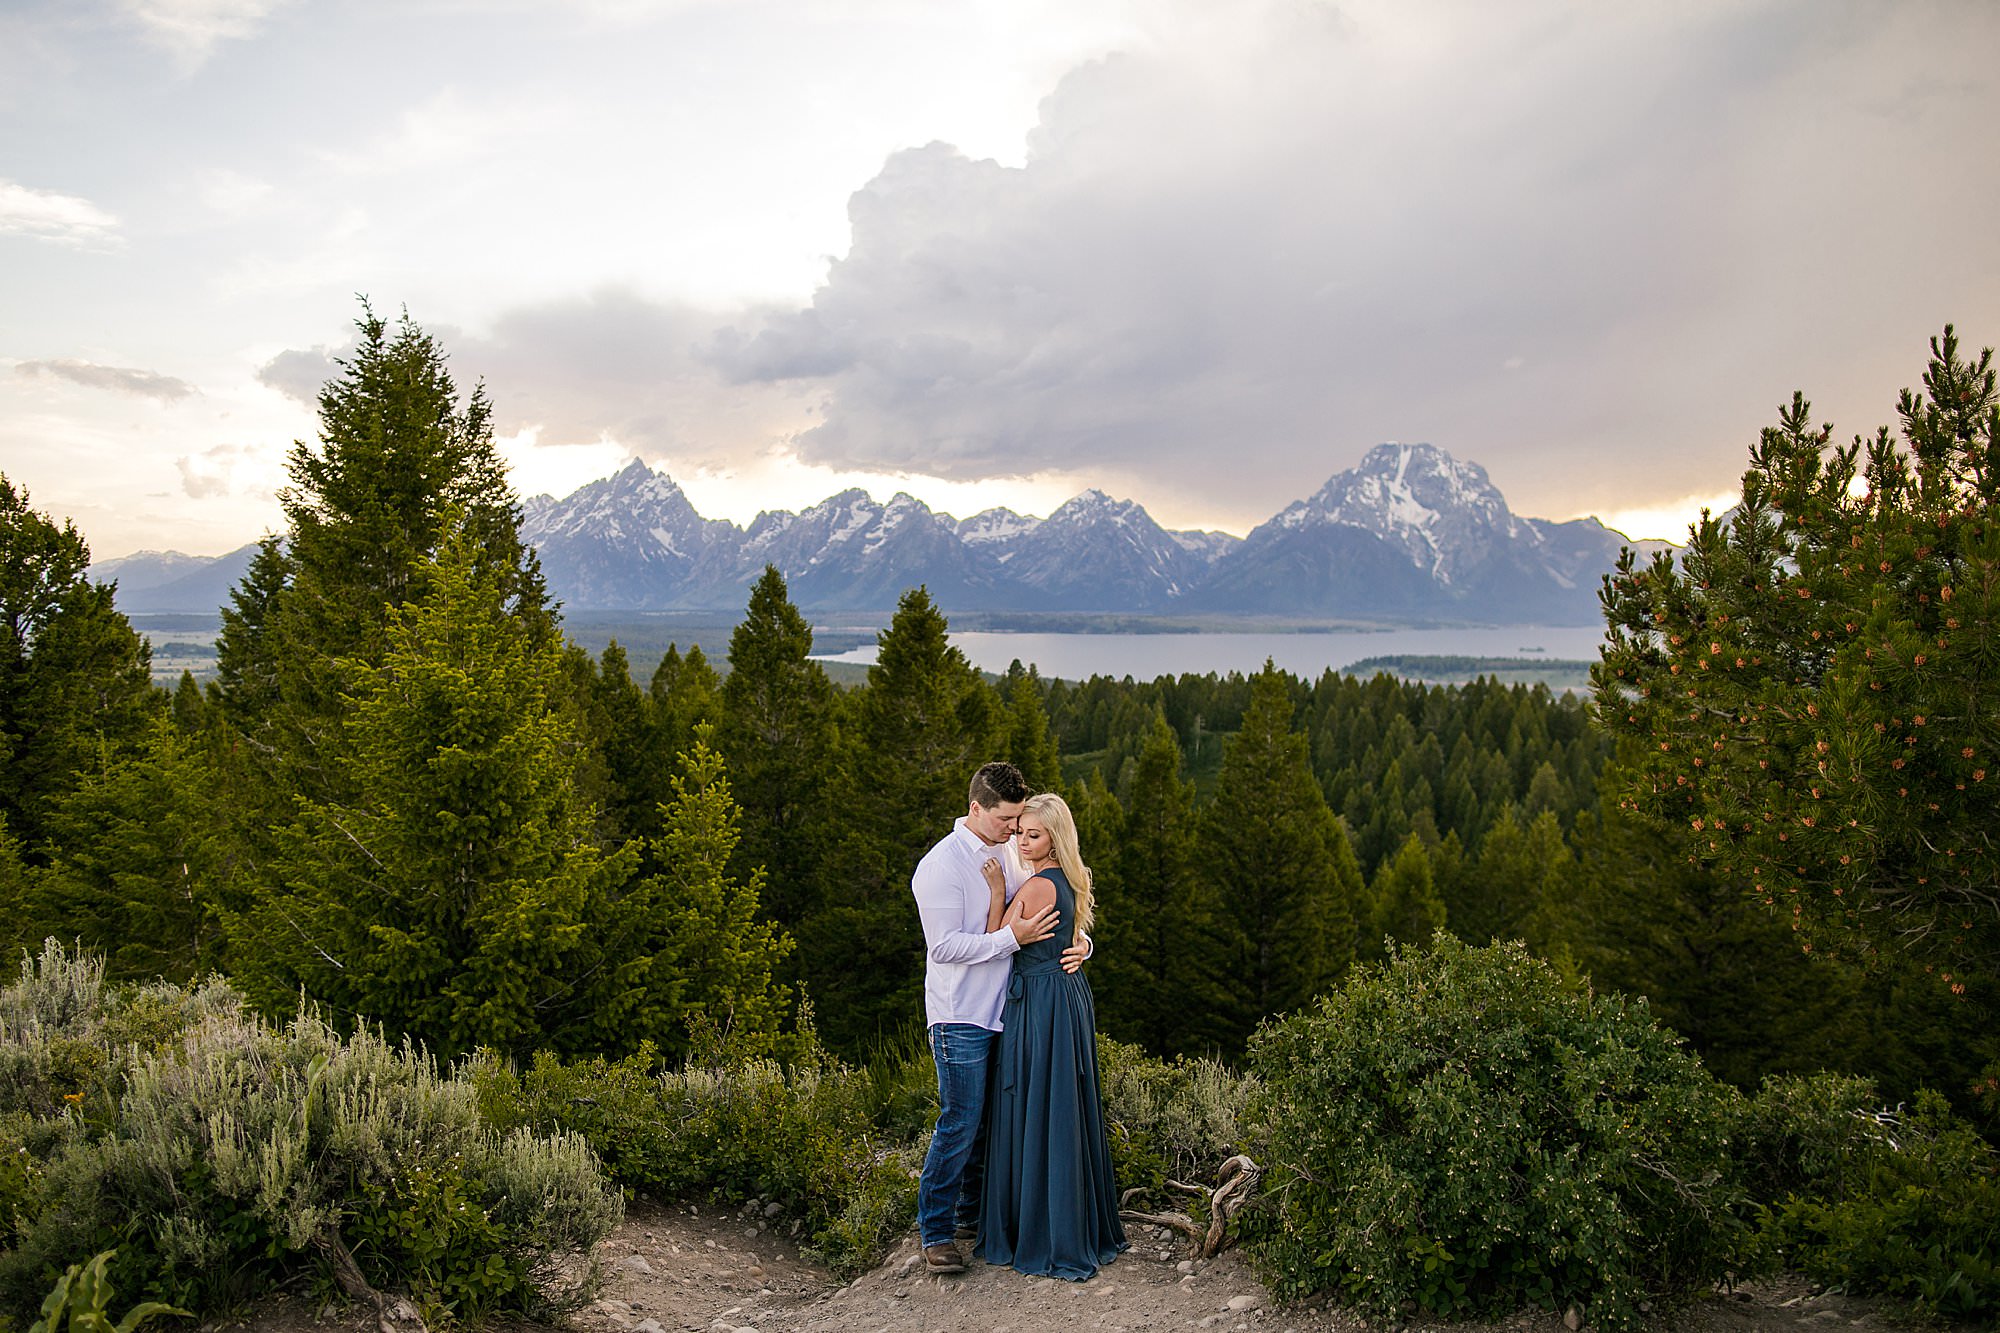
point(682, 1269)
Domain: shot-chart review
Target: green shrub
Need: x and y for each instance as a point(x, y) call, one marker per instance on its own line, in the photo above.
point(67, 1043)
point(1460, 1131)
point(1872, 1200)
point(903, 1090)
point(428, 1224)
point(217, 1156)
point(1169, 1119)
point(802, 1136)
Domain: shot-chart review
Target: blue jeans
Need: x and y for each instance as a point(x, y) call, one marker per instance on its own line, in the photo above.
point(955, 1167)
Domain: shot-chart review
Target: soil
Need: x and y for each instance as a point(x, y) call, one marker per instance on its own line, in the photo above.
point(696, 1269)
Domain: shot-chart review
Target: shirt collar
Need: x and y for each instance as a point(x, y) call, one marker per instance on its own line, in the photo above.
point(972, 842)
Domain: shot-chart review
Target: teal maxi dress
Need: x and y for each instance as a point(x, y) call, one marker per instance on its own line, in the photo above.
point(1050, 1206)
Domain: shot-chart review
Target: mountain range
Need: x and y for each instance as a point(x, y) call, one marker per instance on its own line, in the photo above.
point(1411, 534)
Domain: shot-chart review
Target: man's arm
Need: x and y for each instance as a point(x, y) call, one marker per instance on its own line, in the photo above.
point(941, 907)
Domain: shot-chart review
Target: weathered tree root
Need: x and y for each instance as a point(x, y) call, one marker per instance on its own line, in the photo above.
point(393, 1314)
point(1235, 1183)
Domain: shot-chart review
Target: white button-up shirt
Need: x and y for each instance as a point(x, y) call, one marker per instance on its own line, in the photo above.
point(965, 965)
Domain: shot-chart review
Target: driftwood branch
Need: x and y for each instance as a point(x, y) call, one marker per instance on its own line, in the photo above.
point(393, 1314)
point(1235, 1183)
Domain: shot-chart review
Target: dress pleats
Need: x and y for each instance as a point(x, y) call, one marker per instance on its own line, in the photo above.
point(1051, 1205)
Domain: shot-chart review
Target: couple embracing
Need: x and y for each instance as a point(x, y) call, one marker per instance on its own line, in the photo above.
point(1019, 1161)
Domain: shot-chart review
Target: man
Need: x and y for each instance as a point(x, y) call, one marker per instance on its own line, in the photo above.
point(965, 986)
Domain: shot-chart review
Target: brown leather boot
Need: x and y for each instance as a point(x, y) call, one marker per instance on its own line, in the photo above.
point(943, 1258)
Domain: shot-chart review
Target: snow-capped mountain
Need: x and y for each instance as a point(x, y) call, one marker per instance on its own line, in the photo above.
point(851, 552)
point(621, 541)
point(1410, 534)
point(1444, 515)
point(1099, 554)
point(1414, 532)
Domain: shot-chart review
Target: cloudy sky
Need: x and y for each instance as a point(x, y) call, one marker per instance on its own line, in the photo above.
point(1202, 255)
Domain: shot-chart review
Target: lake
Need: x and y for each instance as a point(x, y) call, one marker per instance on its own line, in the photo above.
point(1306, 654)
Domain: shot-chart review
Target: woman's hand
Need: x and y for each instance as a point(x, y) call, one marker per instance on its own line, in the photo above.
point(996, 880)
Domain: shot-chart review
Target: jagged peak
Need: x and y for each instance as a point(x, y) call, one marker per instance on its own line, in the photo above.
point(995, 525)
point(1094, 503)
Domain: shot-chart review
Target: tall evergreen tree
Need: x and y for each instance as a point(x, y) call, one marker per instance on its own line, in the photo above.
point(1159, 968)
point(398, 457)
point(1713, 965)
point(145, 872)
point(1524, 874)
point(685, 694)
point(716, 958)
point(779, 733)
point(639, 761)
point(923, 723)
point(1814, 684)
point(246, 657)
point(1025, 738)
point(1403, 901)
point(1280, 862)
point(457, 893)
point(74, 677)
point(15, 929)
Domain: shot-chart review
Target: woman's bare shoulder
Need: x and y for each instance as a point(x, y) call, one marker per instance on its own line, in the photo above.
point(1038, 890)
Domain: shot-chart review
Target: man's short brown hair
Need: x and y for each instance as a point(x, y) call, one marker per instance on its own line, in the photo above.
point(998, 784)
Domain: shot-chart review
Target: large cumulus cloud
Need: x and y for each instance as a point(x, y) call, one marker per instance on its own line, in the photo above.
point(1591, 247)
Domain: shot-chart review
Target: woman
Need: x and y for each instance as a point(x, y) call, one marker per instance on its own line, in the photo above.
point(1051, 1206)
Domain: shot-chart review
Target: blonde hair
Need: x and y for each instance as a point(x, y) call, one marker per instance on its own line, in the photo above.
point(1053, 812)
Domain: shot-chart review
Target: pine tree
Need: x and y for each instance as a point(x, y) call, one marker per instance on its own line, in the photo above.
point(922, 725)
point(1712, 964)
point(1280, 863)
point(145, 872)
point(1813, 682)
point(639, 762)
point(1158, 972)
point(1404, 901)
point(779, 733)
point(16, 932)
point(74, 677)
point(457, 895)
point(1523, 872)
point(1025, 738)
point(398, 456)
point(716, 955)
point(246, 660)
point(685, 694)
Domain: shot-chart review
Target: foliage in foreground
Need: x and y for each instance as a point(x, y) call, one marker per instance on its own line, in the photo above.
point(731, 1129)
point(219, 1150)
point(1463, 1130)
point(1811, 682)
point(81, 1301)
point(1169, 1119)
point(1904, 1204)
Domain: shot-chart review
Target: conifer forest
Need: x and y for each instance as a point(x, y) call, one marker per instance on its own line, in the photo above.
point(1720, 938)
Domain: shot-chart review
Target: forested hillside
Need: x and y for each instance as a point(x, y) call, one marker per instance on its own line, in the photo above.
point(410, 804)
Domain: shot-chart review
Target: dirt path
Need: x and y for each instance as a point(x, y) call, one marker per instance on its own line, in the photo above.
point(683, 1269)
